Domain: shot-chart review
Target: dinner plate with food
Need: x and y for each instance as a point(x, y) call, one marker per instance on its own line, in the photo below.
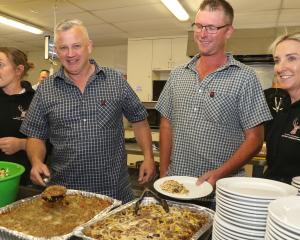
point(182, 187)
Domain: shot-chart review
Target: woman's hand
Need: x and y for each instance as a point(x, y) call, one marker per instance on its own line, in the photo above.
point(11, 145)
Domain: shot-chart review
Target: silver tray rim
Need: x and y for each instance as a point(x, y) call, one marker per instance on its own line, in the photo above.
point(78, 232)
point(6, 233)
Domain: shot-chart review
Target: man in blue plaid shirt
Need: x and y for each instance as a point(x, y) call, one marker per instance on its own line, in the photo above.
point(212, 107)
point(80, 110)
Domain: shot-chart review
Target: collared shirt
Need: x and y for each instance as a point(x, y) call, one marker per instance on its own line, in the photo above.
point(86, 130)
point(35, 86)
point(209, 117)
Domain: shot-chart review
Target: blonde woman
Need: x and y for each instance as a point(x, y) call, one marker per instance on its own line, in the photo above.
point(283, 139)
point(15, 97)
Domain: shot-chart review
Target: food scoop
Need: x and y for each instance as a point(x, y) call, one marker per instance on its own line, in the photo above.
point(54, 193)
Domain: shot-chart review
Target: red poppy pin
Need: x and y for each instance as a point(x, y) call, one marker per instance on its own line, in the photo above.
point(103, 103)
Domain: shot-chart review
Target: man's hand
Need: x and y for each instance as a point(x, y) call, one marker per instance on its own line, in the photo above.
point(11, 145)
point(37, 171)
point(147, 171)
point(210, 176)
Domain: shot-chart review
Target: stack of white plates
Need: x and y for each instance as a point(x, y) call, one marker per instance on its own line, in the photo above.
point(296, 183)
point(242, 206)
point(284, 219)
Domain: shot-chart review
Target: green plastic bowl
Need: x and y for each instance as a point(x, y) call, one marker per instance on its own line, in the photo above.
point(9, 185)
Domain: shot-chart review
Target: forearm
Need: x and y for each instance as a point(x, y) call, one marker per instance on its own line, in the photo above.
point(36, 150)
point(22, 142)
point(165, 146)
point(143, 137)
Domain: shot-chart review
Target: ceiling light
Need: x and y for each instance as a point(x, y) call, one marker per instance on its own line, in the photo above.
point(20, 25)
point(176, 8)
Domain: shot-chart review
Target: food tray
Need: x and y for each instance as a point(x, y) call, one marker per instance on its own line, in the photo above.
point(146, 201)
point(6, 233)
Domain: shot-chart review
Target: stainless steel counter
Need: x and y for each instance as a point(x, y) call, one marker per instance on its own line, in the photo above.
point(133, 148)
point(258, 162)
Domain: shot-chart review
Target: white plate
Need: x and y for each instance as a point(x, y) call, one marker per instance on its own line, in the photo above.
point(244, 205)
point(278, 231)
point(240, 213)
point(286, 211)
point(289, 232)
point(241, 219)
point(258, 188)
point(232, 235)
point(296, 180)
point(225, 235)
point(195, 191)
point(297, 185)
point(237, 230)
point(242, 208)
point(259, 203)
point(240, 223)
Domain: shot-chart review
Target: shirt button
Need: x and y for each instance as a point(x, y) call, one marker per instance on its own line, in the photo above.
point(84, 120)
point(200, 90)
point(195, 109)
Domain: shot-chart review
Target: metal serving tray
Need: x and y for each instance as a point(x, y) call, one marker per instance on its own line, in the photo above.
point(6, 233)
point(146, 201)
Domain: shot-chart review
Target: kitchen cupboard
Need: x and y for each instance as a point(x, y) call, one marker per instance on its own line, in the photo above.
point(149, 57)
point(139, 71)
point(169, 53)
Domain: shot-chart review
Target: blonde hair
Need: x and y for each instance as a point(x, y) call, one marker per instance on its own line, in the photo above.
point(292, 36)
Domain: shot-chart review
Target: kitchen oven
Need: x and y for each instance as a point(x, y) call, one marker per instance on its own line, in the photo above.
point(153, 114)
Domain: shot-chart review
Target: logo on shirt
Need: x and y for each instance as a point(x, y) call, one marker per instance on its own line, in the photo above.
point(293, 133)
point(22, 113)
point(296, 125)
point(103, 103)
point(277, 104)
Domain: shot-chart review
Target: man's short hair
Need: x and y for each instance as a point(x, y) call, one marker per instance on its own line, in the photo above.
point(68, 24)
point(45, 70)
point(217, 4)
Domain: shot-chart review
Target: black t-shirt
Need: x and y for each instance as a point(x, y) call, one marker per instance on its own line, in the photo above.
point(283, 145)
point(13, 110)
point(277, 100)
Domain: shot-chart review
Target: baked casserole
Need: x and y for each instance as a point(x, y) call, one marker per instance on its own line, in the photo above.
point(152, 222)
point(39, 218)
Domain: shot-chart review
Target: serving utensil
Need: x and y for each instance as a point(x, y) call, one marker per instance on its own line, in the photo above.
point(45, 179)
point(54, 193)
point(148, 192)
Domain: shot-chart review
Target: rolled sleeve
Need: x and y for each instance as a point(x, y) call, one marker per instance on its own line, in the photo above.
point(164, 104)
point(132, 107)
point(253, 108)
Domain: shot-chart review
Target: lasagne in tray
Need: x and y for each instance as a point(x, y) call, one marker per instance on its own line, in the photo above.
point(37, 218)
point(183, 222)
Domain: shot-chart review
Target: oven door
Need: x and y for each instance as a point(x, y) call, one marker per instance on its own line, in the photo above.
point(153, 118)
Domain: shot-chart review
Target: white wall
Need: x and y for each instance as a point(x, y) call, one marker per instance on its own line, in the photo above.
point(265, 73)
point(37, 58)
point(111, 56)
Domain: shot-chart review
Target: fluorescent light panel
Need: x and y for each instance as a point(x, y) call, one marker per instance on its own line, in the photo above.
point(19, 25)
point(176, 8)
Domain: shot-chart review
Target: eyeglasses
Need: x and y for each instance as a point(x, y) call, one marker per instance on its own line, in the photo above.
point(210, 29)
